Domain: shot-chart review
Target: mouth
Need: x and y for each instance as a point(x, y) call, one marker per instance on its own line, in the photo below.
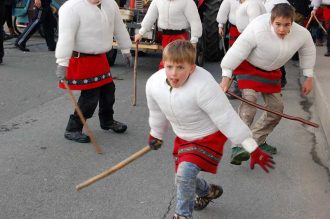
point(174, 81)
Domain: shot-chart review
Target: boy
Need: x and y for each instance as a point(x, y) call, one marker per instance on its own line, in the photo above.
point(267, 43)
point(86, 31)
point(174, 17)
point(187, 97)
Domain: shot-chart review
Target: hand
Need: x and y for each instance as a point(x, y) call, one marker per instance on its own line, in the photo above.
point(128, 59)
point(261, 158)
point(313, 12)
point(307, 86)
point(37, 3)
point(154, 143)
point(225, 83)
point(137, 37)
point(221, 32)
point(61, 72)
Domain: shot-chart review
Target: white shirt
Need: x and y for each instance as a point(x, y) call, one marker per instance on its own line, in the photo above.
point(316, 3)
point(247, 11)
point(227, 11)
point(195, 110)
point(173, 15)
point(84, 27)
point(259, 45)
point(269, 4)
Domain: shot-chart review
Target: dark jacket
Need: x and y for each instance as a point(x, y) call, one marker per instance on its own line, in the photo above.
point(301, 6)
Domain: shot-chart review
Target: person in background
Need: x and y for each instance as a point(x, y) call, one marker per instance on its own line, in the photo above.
point(265, 45)
point(245, 13)
point(42, 15)
point(325, 4)
point(188, 97)
point(227, 13)
point(2, 33)
point(86, 32)
point(9, 18)
point(174, 18)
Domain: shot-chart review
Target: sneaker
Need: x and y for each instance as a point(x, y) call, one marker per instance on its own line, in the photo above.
point(238, 155)
point(201, 202)
point(115, 126)
point(327, 54)
point(77, 137)
point(268, 148)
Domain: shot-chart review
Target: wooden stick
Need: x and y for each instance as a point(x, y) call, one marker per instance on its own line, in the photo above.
point(82, 118)
point(309, 21)
point(115, 168)
point(134, 73)
point(317, 20)
point(274, 112)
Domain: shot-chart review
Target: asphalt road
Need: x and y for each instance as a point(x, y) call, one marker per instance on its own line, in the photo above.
point(39, 169)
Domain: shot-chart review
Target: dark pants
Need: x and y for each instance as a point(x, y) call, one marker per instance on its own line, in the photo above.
point(8, 16)
point(42, 16)
point(88, 100)
point(2, 33)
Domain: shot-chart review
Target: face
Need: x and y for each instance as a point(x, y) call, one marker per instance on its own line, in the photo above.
point(178, 73)
point(282, 26)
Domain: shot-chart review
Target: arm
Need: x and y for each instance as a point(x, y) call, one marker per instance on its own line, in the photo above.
point(194, 20)
point(150, 18)
point(120, 32)
point(157, 120)
point(223, 13)
point(307, 56)
point(67, 28)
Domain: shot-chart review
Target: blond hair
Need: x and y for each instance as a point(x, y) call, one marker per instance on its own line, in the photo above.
point(180, 51)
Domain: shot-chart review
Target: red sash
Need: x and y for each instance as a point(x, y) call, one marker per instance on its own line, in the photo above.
point(206, 153)
point(166, 39)
point(250, 77)
point(233, 34)
point(88, 72)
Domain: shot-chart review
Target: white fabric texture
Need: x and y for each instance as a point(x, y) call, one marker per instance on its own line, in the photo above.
point(259, 45)
point(84, 27)
point(194, 110)
point(227, 11)
point(173, 15)
point(247, 11)
point(317, 3)
point(269, 4)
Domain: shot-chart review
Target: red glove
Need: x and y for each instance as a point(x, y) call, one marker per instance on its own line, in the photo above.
point(154, 143)
point(261, 158)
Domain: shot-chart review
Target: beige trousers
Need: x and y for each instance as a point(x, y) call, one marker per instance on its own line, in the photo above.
point(268, 121)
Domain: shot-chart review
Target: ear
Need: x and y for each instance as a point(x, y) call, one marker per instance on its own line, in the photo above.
point(193, 68)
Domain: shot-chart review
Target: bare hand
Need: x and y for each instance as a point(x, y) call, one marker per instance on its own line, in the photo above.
point(225, 82)
point(221, 32)
point(313, 12)
point(307, 86)
point(137, 38)
point(37, 3)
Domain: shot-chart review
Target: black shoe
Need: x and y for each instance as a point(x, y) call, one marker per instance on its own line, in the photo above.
point(77, 137)
point(51, 49)
point(114, 125)
point(0, 60)
point(22, 48)
point(327, 54)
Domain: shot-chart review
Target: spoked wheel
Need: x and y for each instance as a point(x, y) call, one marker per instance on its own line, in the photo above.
point(200, 52)
point(18, 26)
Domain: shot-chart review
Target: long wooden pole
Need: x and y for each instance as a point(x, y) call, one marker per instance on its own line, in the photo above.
point(274, 112)
point(115, 168)
point(82, 118)
point(317, 20)
point(135, 73)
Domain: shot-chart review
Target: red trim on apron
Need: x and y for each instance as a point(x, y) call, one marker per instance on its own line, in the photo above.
point(206, 153)
point(250, 77)
point(88, 72)
point(170, 38)
point(233, 34)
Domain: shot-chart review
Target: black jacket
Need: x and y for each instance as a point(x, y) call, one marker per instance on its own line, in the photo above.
point(301, 6)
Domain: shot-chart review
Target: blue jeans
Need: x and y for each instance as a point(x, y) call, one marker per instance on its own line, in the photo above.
point(188, 185)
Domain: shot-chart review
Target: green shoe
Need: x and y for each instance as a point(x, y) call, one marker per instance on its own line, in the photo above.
point(238, 155)
point(268, 148)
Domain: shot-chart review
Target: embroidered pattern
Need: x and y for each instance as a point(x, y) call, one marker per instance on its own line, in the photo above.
point(89, 80)
point(211, 156)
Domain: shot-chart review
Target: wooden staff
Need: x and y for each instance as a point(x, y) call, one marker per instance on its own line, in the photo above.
point(134, 73)
point(82, 118)
point(113, 169)
point(309, 21)
point(274, 112)
point(317, 20)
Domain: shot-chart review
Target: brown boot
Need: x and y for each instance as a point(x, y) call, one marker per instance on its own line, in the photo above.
point(178, 217)
point(215, 192)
